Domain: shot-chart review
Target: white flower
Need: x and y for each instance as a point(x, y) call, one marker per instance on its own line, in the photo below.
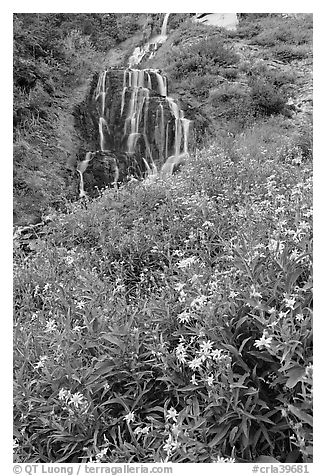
point(210, 380)
point(184, 317)
point(77, 399)
point(63, 394)
point(100, 455)
point(187, 262)
point(179, 286)
point(299, 317)
point(206, 346)
point(50, 326)
point(220, 459)
point(15, 443)
point(289, 303)
point(282, 314)
point(233, 294)
point(195, 363)
point(263, 341)
point(80, 304)
point(254, 293)
point(129, 417)
point(41, 362)
point(271, 310)
point(193, 380)
point(198, 302)
point(69, 260)
point(172, 413)
point(217, 354)
point(181, 353)
point(276, 246)
point(208, 224)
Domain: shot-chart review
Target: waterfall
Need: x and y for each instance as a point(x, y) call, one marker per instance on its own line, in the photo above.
point(165, 24)
point(145, 125)
point(151, 46)
point(81, 167)
point(161, 81)
point(101, 91)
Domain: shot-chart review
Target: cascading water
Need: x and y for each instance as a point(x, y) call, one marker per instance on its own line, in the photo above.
point(142, 126)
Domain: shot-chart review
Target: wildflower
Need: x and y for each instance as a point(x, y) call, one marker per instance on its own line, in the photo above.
point(193, 380)
point(145, 430)
point(15, 444)
point(69, 260)
point(217, 354)
point(210, 380)
point(36, 290)
point(187, 262)
point(172, 413)
point(276, 246)
point(50, 326)
point(129, 417)
point(195, 363)
point(184, 317)
point(220, 459)
point(177, 253)
point(295, 254)
point(271, 310)
point(64, 394)
point(101, 454)
point(181, 354)
point(80, 304)
point(208, 224)
point(46, 287)
point(282, 314)
point(254, 293)
point(78, 328)
point(233, 294)
point(206, 346)
point(299, 317)
point(41, 362)
point(289, 303)
point(263, 341)
point(303, 225)
point(198, 302)
point(168, 445)
point(284, 412)
point(179, 286)
point(77, 399)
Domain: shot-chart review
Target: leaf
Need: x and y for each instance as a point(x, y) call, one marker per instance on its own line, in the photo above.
point(294, 376)
point(293, 456)
point(219, 436)
point(303, 416)
point(114, 340)
point(244, 343)
point(266, 459)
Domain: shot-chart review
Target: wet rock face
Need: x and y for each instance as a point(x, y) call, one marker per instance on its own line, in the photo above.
point(133, 125)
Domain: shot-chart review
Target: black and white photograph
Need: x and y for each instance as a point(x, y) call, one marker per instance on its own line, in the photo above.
point(162, 240)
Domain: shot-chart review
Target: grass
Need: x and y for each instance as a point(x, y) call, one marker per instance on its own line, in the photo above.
point(171, 321)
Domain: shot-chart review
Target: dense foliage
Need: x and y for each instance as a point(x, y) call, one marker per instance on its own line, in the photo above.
point(55, 55)
point(170, 320)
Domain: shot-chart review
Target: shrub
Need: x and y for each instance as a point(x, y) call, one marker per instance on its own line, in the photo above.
point(232, 101)
point(204, 57)
point(266, 98)
point(170, 321)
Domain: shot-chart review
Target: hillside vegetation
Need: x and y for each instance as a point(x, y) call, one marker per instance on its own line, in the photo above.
point(171, 320)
